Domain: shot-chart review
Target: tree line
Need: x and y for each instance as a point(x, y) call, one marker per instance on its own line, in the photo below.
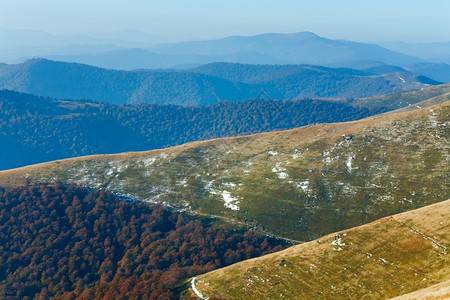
point(35, 129)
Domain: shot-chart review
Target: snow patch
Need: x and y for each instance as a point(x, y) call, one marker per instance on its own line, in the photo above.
point(304, 185)
point(182, 182)
point(195, 289)
point(229, 184)
point(283, 175)
point(273, 153)
point(228, 199)
point(281, 172)
point(149, 161)
point(348, 163)
point(337, 243)
point(402, 79)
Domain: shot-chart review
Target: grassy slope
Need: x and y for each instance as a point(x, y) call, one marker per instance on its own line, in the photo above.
point(389, 257)
point(403, 99)
point(440, 291)
point(299, 184)
point(425, 103)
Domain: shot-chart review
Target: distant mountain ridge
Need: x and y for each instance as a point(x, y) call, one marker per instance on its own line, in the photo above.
point(130, 50)
point(295, 48)
point(268, 48)
point(199, 86)
point(438, 52)
point(17, 45)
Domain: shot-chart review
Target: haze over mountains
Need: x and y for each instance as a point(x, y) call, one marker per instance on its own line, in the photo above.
point(433, 52)
point(17, 44)
point(132, 49)
point(200, 86)
point(296, 48)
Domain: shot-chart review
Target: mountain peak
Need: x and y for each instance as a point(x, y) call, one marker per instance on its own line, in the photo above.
point(304, 34)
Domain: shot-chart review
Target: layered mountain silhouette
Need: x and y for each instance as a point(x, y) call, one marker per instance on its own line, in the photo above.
point(297, 48)
point(130, 50)
point(204, 85)
point(269, 48)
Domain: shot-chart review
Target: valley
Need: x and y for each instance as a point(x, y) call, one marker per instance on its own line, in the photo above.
point(236, 164)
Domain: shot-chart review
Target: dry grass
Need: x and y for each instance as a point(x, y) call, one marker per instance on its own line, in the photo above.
point(368, 266)
point(439, 291)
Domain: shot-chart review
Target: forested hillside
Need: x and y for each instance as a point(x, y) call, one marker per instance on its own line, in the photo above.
point(34, 129)
point(299, 184)
point(68, 242)
point(201, 86)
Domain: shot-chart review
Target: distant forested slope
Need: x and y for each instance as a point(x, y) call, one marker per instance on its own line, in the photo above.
point(205, 85)
point(68, 242)
point(35, 129)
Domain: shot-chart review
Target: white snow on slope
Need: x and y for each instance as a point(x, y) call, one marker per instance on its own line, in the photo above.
point(229, 200)
point(304, 185)
point(337, 243)
point(149, 161)
point(195, 289)
point(349, 163)
point(281, 171)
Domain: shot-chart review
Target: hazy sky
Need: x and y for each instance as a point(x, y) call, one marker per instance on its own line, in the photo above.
point(360, 20)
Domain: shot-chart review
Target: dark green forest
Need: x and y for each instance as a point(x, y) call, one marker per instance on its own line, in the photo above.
point(68, 242)
point(36, 129)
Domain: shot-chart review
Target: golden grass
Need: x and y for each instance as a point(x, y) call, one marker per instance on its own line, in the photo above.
point(372, 264)
point(439, 291)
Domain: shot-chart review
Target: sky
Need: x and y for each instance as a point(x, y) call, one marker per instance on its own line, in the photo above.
point(358, 20)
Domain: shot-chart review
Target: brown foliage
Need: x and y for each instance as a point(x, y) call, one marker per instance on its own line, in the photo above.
point(66, 241)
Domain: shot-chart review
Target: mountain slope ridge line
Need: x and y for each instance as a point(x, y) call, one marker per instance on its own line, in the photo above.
point(321, 130)
point(371, 245)
point(284, 183)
